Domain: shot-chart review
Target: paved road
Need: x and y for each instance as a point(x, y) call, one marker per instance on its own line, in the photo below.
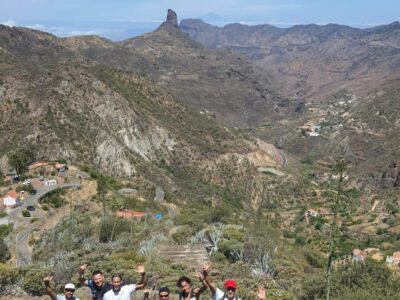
point(21, 241)
point(33, 199)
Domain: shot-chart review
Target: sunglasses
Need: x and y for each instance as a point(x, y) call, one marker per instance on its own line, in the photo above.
point(164, 296)
point(231, 289)
point(69, 290)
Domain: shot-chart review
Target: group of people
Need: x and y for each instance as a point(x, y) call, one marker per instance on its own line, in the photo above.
point(117, 290)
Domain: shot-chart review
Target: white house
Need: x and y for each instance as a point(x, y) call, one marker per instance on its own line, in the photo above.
point(11, 199)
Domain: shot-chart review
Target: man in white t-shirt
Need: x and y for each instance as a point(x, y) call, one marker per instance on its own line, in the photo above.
point(124, 292)
point(69, 290)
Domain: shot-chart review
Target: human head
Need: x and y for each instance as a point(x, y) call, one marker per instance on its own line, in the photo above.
point(116, 282)
point(98, 278)
point(230, 288)
point(69, 290)
point(185, 284)
point(163, 293)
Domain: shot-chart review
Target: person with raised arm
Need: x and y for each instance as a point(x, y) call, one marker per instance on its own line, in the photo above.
point(230, 288)
point(120, 291)
point(97, 284)
point(187, 291)
point(69, 290)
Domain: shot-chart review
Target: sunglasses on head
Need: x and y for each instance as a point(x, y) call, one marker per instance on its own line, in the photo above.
point(69, 290)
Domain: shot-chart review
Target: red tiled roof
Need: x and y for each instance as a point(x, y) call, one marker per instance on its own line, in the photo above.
point(12, 194)
point(39, 164)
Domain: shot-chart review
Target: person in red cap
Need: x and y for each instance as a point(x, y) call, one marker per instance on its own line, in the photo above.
point(230, 288)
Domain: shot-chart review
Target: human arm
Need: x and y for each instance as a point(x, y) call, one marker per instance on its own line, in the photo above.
point(143, 282)
point(207, 279)
point(261, 295)
point(199, 291)
point(82, 279)
point(49, 290)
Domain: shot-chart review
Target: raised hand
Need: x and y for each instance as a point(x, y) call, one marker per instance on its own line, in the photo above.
point(199, 276)
point(206, 267)
point(47, 279)
point(83, 268)
point(260, 293)
point(139, 268)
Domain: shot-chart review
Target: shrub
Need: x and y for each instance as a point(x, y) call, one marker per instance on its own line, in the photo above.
point(54, 198)
point(32, 279)
point(233, 233)
point(8, 275)
point(300, 240)
point(183, 235)
point(4, 252)
point(20, 188)
point(26, 213)
point(218, 257)
point(3, 214)
point(112, 227)
point(308, 160)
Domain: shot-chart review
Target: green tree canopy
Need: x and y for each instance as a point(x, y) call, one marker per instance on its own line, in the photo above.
point(20, 160)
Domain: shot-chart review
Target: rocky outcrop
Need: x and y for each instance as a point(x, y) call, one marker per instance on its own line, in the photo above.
point(172, 18)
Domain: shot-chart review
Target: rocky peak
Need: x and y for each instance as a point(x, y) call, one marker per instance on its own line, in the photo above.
point(172, 18)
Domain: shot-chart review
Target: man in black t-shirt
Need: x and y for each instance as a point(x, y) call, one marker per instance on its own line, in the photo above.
point(97, 283)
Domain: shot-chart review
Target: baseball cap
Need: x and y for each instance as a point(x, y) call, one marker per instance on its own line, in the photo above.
point(69, 286)
point(230, 284)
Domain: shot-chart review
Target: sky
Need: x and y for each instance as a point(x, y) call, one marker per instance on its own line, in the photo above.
point(122, 19)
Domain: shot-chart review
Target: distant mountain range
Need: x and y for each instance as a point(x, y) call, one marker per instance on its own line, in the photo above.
point(163, 101)
point(152, 107)
point(311, 61)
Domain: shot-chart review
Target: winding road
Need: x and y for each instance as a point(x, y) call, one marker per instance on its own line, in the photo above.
point(22, 238)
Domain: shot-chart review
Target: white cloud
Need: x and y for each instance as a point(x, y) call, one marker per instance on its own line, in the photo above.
point(80, 32)
point(9, 23)
point(138, 21)
point(36, 26)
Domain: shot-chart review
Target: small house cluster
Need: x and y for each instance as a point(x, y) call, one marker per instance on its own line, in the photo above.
point(315, 213)
point(360, 255)
point(310, 129)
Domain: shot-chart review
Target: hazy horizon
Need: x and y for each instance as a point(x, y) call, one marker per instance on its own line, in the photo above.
point(122, 19)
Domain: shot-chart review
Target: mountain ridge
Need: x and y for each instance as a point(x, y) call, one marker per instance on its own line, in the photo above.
point(312, 61)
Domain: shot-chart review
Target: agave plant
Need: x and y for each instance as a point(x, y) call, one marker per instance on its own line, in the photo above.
point(263, 267)
point(148, 245)
point(210, 238)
